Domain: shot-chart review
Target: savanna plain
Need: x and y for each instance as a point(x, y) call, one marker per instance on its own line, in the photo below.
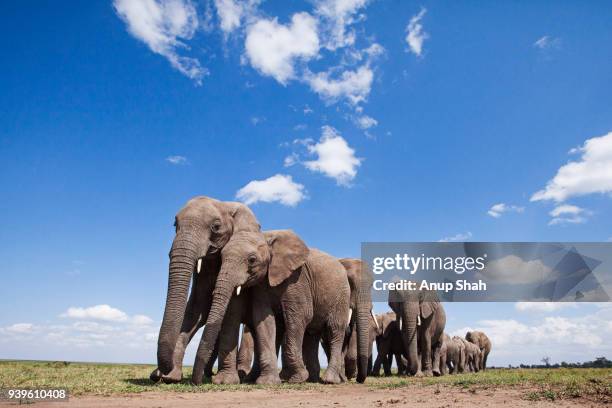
point(127, 385)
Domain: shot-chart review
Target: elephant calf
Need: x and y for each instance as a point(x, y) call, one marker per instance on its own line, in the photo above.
point(389, 344)
point(455, 354)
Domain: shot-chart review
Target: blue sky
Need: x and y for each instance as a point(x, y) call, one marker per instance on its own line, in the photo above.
point(345, 121)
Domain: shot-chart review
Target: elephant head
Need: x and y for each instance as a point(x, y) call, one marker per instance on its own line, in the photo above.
point(361, 303)
point(412, 307)
point(202, 227)
point(249, 258)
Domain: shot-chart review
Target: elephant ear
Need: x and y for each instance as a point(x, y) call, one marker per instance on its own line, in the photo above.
point(428, 303)
point(288, 253)
point(353, 270)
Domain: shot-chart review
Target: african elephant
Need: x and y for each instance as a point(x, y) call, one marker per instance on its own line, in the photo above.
point(389, 344)
point(421, 319)
point(444, 354)
point(483, 343)
point(472, 356)
point(305, 288)
point(363, 326)
point(202, 228)
point(455, 354)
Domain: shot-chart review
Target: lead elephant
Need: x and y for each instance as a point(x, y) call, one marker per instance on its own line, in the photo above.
point(306, 288)
point(421, 318)
point(202, 228)
point(481, 341)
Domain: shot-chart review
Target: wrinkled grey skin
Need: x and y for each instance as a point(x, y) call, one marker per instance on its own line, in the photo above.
point(358, 342)
point(410, 307)
point(389, 344)
point(481, 341)
point(305, 288)
point(455, 354)
point(203, 226)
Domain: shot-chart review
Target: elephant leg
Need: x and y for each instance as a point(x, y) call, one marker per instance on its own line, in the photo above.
point(377, 364)
point(310, 350)
point(400, 363)
point(426, 356)
point(293, 370)
point(387, 361)
point(350, 357)
point(484, 361)
point(245, 353)
point(370, 364)
point(228, 343)
point(265, 339)
point(208, 370)
point(436, 369)
point(336, 330)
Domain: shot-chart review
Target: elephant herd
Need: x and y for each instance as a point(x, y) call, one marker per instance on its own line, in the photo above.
point(289, 299)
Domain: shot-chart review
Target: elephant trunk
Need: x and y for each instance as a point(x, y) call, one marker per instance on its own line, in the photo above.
point(183, 257)
point(410, 311)
point(221, 297)
point(364, 307)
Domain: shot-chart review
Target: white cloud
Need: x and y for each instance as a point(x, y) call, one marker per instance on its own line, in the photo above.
point(98, 312)
point(592, 173)
point(547, 42)
point(568, 214)
point(273, 48)
point(280, 188)
point(497, 210)
point(162, 25)
point(335, 158)
point(513, 269)
point(290, 160)
point(20, 328)
point(337, 15)
point(256, 120)
point(177, 160)
point(231, 13)
point(542, 307)
point(416, 36)
point(352, 85)
point(458, 237)
point(365, 122)
point(142, 320)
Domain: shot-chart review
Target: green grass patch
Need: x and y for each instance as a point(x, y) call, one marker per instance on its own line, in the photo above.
point(111, 379)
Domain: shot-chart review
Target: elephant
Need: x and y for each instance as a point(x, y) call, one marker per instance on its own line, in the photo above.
point(202, 228)
point(304, 288)
point(481, 341)
point(455, 354)
point(363, 326)
point(389, 344)
point(472, 356)
point(421, 319)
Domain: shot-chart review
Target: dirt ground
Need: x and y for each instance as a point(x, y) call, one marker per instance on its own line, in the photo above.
point(353, 395)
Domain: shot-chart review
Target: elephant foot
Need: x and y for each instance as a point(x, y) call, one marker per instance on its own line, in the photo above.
point(343, 376)
point(436, 373)
point(156, 375)
point(314, 377)
point(226, 377)
point(174, 376)
point(419, 374)
point(268, 379)
point(331, 376)
point(428, 373)
point(300, 376)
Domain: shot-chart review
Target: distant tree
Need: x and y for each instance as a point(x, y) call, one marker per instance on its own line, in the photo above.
point(546, 361)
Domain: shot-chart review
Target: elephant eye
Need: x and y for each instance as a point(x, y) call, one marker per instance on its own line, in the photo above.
point(252, 259)
point(215, 227)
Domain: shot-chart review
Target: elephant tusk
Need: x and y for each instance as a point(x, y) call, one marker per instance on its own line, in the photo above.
point(418, 320)
point(350, 315)
point(238, 290)
point(400, 324)
point(375, 321)
point(199, 265)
